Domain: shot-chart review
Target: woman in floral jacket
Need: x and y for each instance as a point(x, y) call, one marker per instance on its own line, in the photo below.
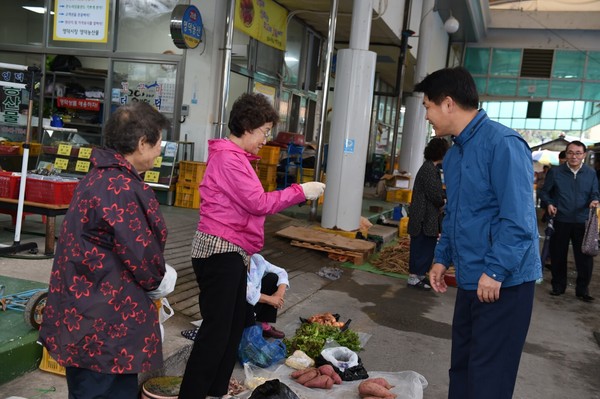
point(99, 322)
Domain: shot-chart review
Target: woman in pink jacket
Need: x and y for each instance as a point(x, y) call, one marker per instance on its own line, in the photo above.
point(233, 207)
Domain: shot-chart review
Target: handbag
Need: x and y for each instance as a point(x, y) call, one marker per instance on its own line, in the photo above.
point(589, 246)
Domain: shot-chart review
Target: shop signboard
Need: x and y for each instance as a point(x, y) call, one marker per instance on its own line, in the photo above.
point(186, 26)
point(264, 20)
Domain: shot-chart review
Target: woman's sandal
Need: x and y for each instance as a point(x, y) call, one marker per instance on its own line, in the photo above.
point(190, 334)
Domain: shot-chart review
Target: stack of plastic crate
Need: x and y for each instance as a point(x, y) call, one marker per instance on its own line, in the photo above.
point(267, 166)
point(190, 176)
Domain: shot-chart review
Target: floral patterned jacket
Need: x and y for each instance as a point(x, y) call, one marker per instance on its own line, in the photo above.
point(98, 315)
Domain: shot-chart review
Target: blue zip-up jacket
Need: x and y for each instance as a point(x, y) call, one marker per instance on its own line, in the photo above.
point(490, 224)
point(571, 194)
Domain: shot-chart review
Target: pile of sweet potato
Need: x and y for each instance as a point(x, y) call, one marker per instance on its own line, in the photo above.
point(375, 388)
point(323, 377)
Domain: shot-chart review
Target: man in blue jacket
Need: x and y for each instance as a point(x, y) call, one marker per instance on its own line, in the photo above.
point(570, 190)
point(489, 235)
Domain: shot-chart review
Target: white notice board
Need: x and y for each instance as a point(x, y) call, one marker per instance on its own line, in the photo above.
point(81, 20)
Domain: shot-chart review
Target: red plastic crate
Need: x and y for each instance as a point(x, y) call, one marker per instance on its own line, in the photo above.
point(50, 191)
point(9, 185)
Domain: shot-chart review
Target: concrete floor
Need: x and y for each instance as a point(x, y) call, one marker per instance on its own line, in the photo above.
point(406, 329)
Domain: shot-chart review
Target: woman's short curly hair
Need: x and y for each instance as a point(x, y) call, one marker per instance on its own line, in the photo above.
point(250, 111)
point(131, 122)
point(436, 149)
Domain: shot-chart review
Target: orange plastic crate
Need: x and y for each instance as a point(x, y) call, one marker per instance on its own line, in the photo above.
point(187, 195)
point(9, 185)
point(54, 192)
point(191, 171)
point(269, 155)
point(400, 195)
point(267, 174)
point(270, 186)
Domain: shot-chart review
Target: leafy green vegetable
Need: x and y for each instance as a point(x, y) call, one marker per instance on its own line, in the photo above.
point(310, 338)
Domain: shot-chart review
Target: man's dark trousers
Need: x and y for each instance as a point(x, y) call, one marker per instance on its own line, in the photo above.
point(559, 249)
point(487, 341)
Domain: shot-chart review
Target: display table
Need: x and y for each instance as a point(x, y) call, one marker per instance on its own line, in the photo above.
point(48, 210)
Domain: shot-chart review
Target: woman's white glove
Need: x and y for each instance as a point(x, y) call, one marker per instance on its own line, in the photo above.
point(313, 189)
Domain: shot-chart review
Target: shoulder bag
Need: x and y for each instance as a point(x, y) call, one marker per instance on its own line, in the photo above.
point(589, 246)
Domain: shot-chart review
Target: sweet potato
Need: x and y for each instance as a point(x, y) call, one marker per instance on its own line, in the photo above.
point(328, 370)
point(309, 375)
point(381, 381)
point(368, 388)
point(298, 373)
point(323, 381)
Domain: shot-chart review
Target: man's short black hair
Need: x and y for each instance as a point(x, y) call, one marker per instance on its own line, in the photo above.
point(456, 83)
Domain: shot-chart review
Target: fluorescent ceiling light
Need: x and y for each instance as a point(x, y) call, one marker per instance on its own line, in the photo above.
point(290, 59)
point(37, 10)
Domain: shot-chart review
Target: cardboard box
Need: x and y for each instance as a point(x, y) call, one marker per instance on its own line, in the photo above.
point(397, 181)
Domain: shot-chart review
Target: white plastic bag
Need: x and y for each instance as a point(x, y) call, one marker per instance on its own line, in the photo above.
point(167, 285)
point(341, 357)
point(164, 313)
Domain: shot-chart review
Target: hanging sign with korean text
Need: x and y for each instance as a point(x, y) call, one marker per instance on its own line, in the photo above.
point(263, 20)
point(81, 20)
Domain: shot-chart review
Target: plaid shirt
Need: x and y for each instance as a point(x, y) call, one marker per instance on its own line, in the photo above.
point(204, 245)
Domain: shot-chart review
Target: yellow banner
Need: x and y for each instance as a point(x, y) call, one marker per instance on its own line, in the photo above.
point(263, 20)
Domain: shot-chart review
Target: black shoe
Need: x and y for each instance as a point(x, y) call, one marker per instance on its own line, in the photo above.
point(585, 298)
point(556, 292)
point(422, 285)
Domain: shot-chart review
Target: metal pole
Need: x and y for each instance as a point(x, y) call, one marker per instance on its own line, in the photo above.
point(325, 93)
point(403, 48)
point(226, 73)
point(406, 33)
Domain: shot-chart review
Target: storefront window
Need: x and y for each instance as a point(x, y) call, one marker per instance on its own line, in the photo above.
point(268, 59)
point(22, 21)
point(149, 20)
point(153, 83)
point(293, 53)
point(284, 105)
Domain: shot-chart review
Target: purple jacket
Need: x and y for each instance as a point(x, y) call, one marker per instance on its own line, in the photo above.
point(233, 203)
point(98, 315)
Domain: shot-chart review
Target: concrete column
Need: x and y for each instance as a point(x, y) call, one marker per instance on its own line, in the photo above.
point(350, 125)
point(414, 132)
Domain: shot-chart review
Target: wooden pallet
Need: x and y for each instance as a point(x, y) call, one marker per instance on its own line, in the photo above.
point(339, 248)
point(340, 255)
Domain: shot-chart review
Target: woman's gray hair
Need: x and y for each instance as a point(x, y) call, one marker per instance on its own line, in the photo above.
point(131, 122)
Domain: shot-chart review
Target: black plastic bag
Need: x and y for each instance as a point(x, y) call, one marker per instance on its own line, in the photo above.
point(273, 389)
point(355, 373)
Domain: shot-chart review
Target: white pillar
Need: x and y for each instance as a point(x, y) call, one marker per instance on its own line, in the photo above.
point(350, 125)
point(414, 131)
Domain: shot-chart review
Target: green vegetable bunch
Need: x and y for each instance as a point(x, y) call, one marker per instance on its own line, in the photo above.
point(310, 338)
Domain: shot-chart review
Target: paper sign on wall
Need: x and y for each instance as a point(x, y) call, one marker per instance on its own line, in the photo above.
point(81, 20)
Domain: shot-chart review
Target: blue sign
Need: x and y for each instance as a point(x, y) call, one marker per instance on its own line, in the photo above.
point(349, 146)
point(186, 26)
